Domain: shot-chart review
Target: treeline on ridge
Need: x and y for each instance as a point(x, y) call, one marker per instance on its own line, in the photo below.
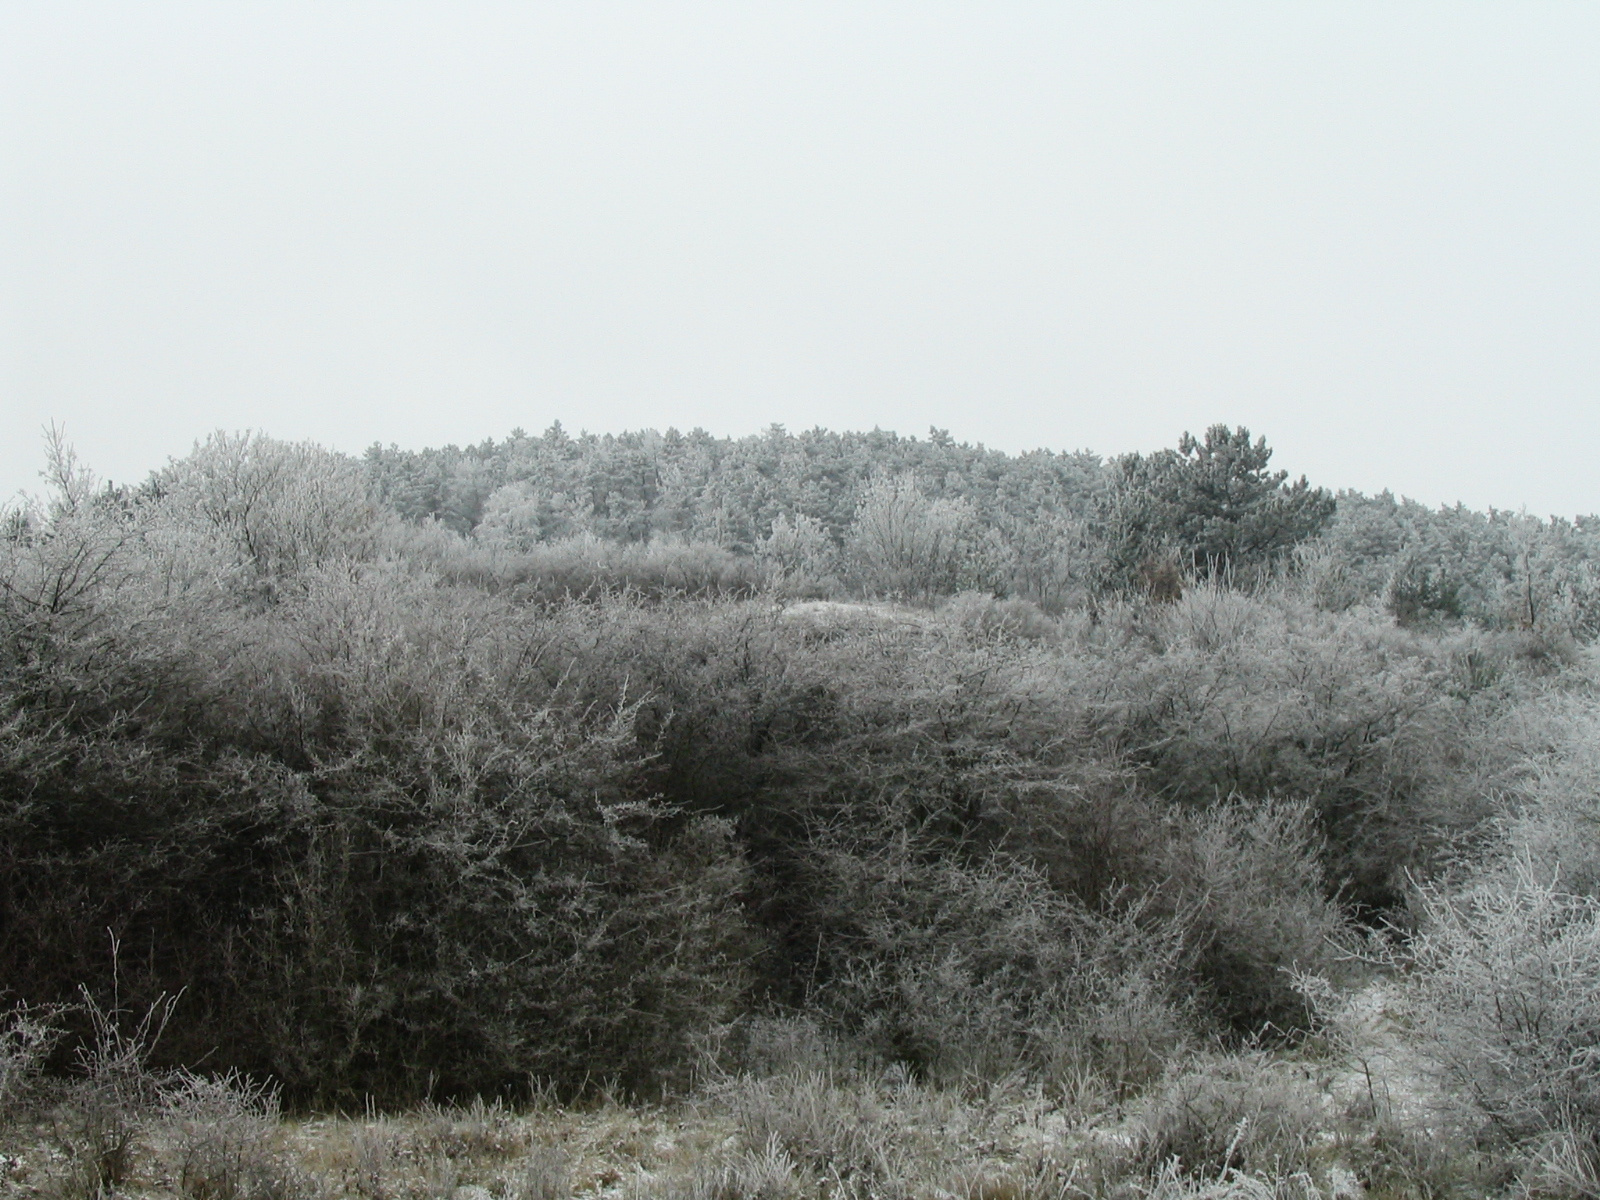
point(875, 513)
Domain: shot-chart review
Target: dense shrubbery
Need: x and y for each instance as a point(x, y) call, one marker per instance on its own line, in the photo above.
point(398, 808)
point(369, 860)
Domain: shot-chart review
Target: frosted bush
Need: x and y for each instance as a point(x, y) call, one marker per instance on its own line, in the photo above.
point(1505, 991)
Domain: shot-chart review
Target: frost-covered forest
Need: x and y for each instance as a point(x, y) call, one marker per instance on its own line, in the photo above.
point(792, 816)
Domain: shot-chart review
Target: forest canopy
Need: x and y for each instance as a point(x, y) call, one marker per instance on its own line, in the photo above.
point(880, 514)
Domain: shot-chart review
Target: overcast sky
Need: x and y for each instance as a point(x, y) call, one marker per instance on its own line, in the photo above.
point(1370, 232)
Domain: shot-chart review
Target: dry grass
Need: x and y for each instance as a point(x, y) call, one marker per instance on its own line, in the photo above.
point(1226, 1125)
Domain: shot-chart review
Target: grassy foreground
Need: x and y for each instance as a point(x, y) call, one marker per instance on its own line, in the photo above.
point(1353, 1112)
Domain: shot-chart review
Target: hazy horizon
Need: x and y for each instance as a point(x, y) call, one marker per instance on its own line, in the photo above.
point(1367, 232)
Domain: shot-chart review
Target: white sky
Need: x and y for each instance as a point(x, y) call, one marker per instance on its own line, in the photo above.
point(1370, 232)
